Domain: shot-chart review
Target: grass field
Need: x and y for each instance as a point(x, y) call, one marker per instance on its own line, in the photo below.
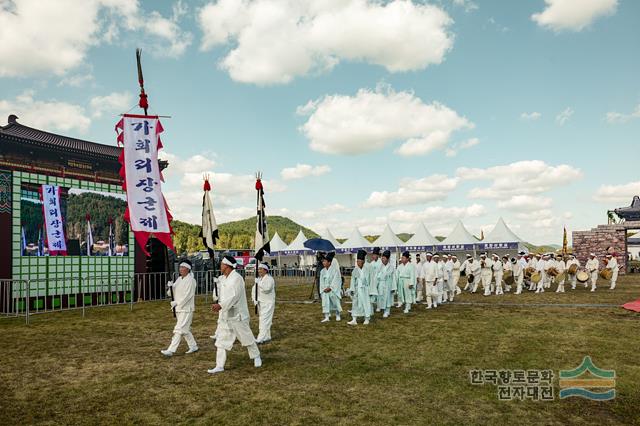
point(409, 369)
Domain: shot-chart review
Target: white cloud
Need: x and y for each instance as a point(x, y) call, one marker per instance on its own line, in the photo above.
point(613, 117)
point(414, 191)
point(617, 193)
point(371, 120)
point(525, 203)
point(112, 103)
point(468, 5)
point(573, 15)
point(46, 115)
point(530, 116)
point(457, 147)
point(438, 214)
point(78, 80)
point(53, 37)
point(564, 116)
point(275, 41)
point(519, 178)
point(303, 170)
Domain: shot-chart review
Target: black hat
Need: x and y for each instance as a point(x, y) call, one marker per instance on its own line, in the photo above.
point(376, 250)
point(330, 256)
point(513, 260)
point(229, 260)
point(361, 254)
point(406, 254)
point(386, 254)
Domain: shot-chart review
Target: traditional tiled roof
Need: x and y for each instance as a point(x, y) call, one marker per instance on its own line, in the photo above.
point(26, 134)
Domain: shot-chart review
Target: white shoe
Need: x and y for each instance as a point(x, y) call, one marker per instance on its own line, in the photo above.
point(259, 341)
point(166, 352)
point(338, 318)
point(353, 322)
point(214, 337)
point(378, 310)
point(215, 370)
point(326, 319)
point(406, 311)
point(192, 350)
point(593, 289)
point(257, 362)
point(428, 307)
point(399, 305)
point(366, 321)
point(385, 315)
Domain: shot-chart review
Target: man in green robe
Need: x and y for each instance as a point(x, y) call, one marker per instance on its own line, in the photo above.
point(406, 278)
point(360, 292)
point(386, 281)
point(330, 288)
point(371, 270)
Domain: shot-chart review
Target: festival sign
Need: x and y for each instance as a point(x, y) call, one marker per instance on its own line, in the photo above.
point(53, 221)
point(147, 211)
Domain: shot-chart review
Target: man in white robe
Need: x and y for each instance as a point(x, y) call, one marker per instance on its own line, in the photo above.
point(612, 263)
point(419, 279)
point(486, 273)
point(541, 268)
point(371, 270)
point(473, 270)
point(266, 302)
point(330, 287)
point(572, 277)
point(592, 267)
point(533, 263)
point(518, 274)
point(455, 275)
point(506, 265)
point(233, 316)
point(431, 281)
point(183, 304)
point(498, 272)
point(440, 280)
point(560, 266)
point(450, 286)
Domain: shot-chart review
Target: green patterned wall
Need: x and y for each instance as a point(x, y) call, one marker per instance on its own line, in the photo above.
point(57, 275)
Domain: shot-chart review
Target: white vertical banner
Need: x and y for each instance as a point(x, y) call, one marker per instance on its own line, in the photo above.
point(53, 222)
point(146, 212)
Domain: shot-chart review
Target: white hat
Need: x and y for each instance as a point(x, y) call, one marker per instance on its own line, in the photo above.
point(263, 266)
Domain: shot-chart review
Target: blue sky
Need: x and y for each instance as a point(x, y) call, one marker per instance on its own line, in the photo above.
point(359, 113)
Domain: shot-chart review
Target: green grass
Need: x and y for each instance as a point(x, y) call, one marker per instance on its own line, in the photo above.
point(408, 369)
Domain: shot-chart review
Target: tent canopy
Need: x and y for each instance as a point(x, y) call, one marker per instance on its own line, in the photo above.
point(421, 240)
point(327, 235)
point(501, 233)
point(276, 244)
point(388, 239)
point(354, 242)
point(459, 239)
point(297, 245)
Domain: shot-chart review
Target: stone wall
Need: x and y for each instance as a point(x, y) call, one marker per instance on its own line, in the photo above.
point(602, 240)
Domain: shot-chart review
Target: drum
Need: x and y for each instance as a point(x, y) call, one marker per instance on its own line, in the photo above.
point(536, 277)
point(552, 272)
point(606, 274)
point(582, 276)
point(559, 278)
point(508, 278)
point(463, 273)
point(573, 269)
point(470, 278)
point(528, 271)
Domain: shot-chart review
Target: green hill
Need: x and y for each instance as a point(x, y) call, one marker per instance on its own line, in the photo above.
point(238, 234)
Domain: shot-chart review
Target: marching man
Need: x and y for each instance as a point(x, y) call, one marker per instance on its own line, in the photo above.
point(386, 279)
point(498, 271)
point(330, 288)
point(406, 279)
point(464, 267)
point(572, 277)
point(592, 266)
point(612, 263)
point(359, 289)
point(533, 263)
point(450, 286)
point(184, 291)
point(266, 301)
point(371, 270)
point(473, 270)
point(560, 266)
point(440, 281)
point(486, 273)
point(541, 268)
point(506, 264)
point(430, 273)
point(518, 273)
point(233, 316)
point(455, 275)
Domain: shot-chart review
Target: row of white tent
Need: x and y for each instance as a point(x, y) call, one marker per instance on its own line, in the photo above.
point(501, 238)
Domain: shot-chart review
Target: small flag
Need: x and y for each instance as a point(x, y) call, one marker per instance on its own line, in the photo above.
point(262, 236)
point(209, 231)
point(565, 243)
point(89, 236)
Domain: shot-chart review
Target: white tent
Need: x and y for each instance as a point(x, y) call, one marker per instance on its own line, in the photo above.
point(327, 235)
point(459, 240)
point(422, 240)
point(297, 252)
point(354, 242)
point(276, 244)
point(502, 238)
point(388, 240)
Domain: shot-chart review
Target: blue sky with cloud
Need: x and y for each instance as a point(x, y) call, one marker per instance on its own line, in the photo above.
point(357, 112)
